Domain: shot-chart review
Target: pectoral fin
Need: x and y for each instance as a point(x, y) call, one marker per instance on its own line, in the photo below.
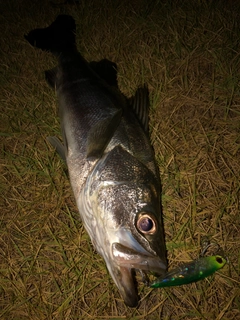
point(56, 143)
point(101, 133)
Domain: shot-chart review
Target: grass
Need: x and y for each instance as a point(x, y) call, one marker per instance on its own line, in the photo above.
point(188, 54)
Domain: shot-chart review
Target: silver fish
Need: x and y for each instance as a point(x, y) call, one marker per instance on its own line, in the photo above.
point(110, 161)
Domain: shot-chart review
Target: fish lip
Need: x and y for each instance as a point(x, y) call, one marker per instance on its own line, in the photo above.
point(127, 260)
point(126, 285)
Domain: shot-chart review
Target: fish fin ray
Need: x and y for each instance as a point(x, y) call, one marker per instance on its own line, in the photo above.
point(57, 144)
point(140, 105)
point(101, 133)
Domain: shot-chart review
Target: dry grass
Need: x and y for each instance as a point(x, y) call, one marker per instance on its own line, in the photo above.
point(189, 56)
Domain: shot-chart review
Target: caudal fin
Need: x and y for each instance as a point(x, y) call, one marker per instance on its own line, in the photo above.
point(58, 37)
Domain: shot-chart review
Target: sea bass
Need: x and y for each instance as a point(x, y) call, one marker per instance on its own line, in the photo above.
point(110, 161)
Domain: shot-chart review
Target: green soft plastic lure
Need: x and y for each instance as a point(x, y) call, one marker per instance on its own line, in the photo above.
point(190, 272)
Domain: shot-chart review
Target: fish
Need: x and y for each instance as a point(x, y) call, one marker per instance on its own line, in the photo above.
point(110, 160)
point(193, 271)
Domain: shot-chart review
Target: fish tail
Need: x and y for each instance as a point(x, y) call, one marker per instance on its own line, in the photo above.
point(57, 38)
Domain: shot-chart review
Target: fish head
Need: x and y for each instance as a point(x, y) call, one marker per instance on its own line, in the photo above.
point(128, 232)
point(133, 234)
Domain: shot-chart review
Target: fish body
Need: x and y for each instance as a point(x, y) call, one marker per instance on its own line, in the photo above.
point(190, 272)
point(110, 161)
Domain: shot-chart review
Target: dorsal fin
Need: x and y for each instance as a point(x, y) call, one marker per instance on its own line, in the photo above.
point(140, 104)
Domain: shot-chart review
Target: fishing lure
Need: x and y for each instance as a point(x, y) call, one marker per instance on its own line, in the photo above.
point(190, 272)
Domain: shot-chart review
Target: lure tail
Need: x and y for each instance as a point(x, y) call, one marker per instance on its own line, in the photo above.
point(58, 37)
point(193, 271)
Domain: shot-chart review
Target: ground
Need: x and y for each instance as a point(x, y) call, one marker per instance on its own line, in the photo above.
point(188, 54)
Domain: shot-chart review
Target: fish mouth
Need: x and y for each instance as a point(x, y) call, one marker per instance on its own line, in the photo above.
point(127, 261)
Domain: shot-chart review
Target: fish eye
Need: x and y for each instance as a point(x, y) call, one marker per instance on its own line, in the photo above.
point(219, 260)
point(146, 224)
